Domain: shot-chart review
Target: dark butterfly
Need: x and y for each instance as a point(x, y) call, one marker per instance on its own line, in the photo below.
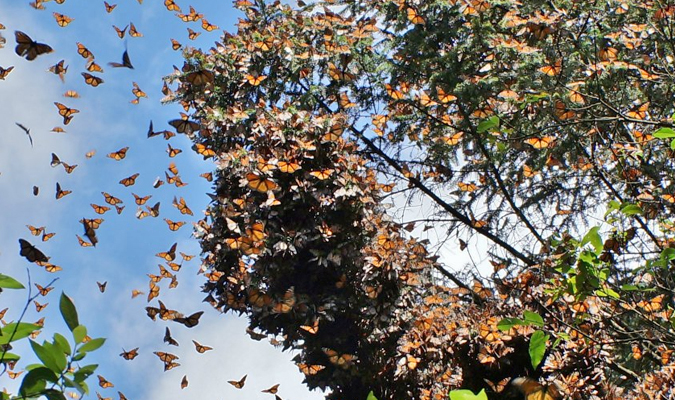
point(31, 253)
point(190, 321)
point(168, 339)
point(26, 47)
point(238, 384)
point(126, 62)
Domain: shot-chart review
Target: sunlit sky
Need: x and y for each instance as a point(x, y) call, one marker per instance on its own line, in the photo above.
point(107, 122)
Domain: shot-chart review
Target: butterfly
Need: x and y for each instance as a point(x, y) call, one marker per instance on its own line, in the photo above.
point(173, 152)
point(533, 390)
point(65, 112)
point(184, 382)
point(90, 153)
point(59, 69)
point(99, 209)
point(31, 253)
point(126, 61)
point(102, 382)
point(175, 44)
point(141, 200)
point(169, 255)
point(129, 355)
point(133, 32)
point(254, 79)
point(5, 71)
point(308, 369)
point(61, 193)
point(190, 321)
point(62, 20)
point(168, 339)
point(552, 70)
point(83, 51)
point(135, 293)
point(322, 174)
point(414, 17)
point(26, 47)
point(110, 199)
point(467, 187)
point(171, 5)
point(240, 383)
point(167, 359)
point(184, 125)
point(91, 80)
point(639, 112)
point(192, 35)
point(260, 184)
point(137, 91)
point(208, 26)
point(35, 231)
point(204, 151)
point(174, 225)
point(394, 93)
point(108, 7)
point(154, 210)
point(200, 77)
point(119, 154)
point(36, 190)
point(102, 286)
point(209, 175)
point(200, 348)
point(58, 129)
point(121, 32)
point(541, 143)
point(343, 361)
point(129, 181)
point(39, 307)
point(43, 290)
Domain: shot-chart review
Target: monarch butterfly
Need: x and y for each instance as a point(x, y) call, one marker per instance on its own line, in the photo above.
point(43, 290)
point(62, 20)
point(92, 223)
point(174, 225)
point(102, 286)
point(288, 167)
point(175, 44)
point(639, 112)
point(61, 193)
point(168, 339)
point(173, 152)
point(109, 8)
point(337, 74)
point(393, 93)
point(110, 199)
point(133, 32)
point(533, 390)
point(65, 112)
point(608, 54)
point(68, 168)
point(5, 71)
point(27, 47)
point(169, 255)
point(55, 160)
point(59, 69)
point(308, 369)
point(208, 26)
point(39, 307)
point(184, 125)
point(541, 143)
point(313, 329)
point(135, 293)
point(167, 359)
point(200, 348)
point(141, 200)
point(204, 151)
point(467, 187)
point(184, 382)
point(653, 305)
point(260, 184)
point(552, 70)
point(208, 176)
point(31, 253)
point(119, 154)
point(192, 35)
point(37, 4)
point(137, 91)
point(83, 51)
point(240, 383)
point(154, 292)
point(192, 320)
point(51, 268)
point(58, 129)
point(273, 390)
point(91, 80)
point(99, 209)
point(322, 174)
point(90, 153)
point(182, 206)
point(35, 231)
point(444, 97)
point(126, 61)
point(129, 355)
point(154, 210)
point(130, 180)
point(343, 361)
point(414, 17)
point(200, 77)
point(102, 382)
point(171, 5)
point(120, 32)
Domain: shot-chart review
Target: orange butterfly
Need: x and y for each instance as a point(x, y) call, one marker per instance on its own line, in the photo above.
point(141, 200)
point(343, 361)
point(129, 355)
point(59, 69)
point(467, 187)
point(310, 369)
point(133, 32)
point(65, 112)
point(61, 193)
point(39, 307)
point(173, 152)
point(200, 348)
point(110, 199)
point(83, 242)
point(639, 112)
point(154, 210)
point(288, 166)
point(83, 51)
point(259, 183)
point(414, 17)
point(322, 174)
point(121, 32)
point(240, 383)
point(182, 206)
point(541, 143)
point(204, 151)
point(129, 181)
point(102, 382)
point(168, 339)
point(209, 176)
point(62, 20)
point(192, 35)
point(43, 290)
point(208, 26)
point(174, 225)
point(200, 77)
point(91, 80)
point(102, 286)
point(171, 5)
point(533, 390)
point(273, 390)
point(552, 70)
point(254, 79)
point(99, 209)
point(119, 154)
point(183, 125)
point(35, 231)
point(5, 71)
point(175, 44)
point(169, 255)
point(184, 382)
point(69, 168)
point(109, 8)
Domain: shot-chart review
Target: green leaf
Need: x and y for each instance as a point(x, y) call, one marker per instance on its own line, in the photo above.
point(23, 330)
point(9, 357)
point(629, 288)
point(371, 396)
point(631, 209)
point(45, 355)
point(79, 333)
point(84, 372)
point(593, 237)
point(53, 394)
point(36, 380)
point(508, 323)
point(664, 133)
point(488, 124)
point(537, 347)
point(68, 312)
point(58, 354)
point(672, 144)
point(62, 342)
point(92, 345)
point(607, 292)
point(532, 318)
point(464, 394)
point(7, 282)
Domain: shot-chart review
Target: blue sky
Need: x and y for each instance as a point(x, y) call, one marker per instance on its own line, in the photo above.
point(107, 121)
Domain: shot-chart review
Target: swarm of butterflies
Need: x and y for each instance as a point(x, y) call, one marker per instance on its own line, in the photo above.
point(31, 49)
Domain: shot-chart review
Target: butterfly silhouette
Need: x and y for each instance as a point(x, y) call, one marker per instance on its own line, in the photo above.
point(27, 132)
point(126, 62)
point(27, 47)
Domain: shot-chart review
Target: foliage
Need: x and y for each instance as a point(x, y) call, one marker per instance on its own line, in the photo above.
point(520, 122)
point(60, 359)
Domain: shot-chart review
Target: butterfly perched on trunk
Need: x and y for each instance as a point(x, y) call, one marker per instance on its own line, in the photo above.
point(27, 47)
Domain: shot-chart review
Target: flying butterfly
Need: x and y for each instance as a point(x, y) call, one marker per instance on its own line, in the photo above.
point(175, 44)
point(133, 32)
point(130, 180)
point(201, 348)
point(109, 7)
point(273, 390)
point(60, 193)
point(126, 61)
point(121, 32)
point(182, 206)
point(99, 209)
point(5, 71)
point(102, 286)
point(238, 384)
point(184, 382)
point(110, 199)
point(171, 5)
point(191, 321)
point(207, 26)
point(35, 231)
point(172, 151)
point(31, 253)
point(141, 200)
point(59, 69)
point(28, 48)
point(43, 290)
point(174, 225)
point(206, 152)
point(91, 80)
point(46, 236)
point(102, 382)
point(83, 51)
point(119, 154)
point(184, 125)
point(129, 355)
point(62, 20)
point(65, 112)
point(39, 307)
point(168, 339)
point(192, 35)
point(169, 255)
